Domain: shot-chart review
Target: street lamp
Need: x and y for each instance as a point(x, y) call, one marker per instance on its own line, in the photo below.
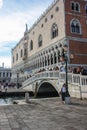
point(65, 47)
point(63, 56)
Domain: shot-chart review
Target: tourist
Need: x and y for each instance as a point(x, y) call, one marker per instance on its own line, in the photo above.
point(63, 92)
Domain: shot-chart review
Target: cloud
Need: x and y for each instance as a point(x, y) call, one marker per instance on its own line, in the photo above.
point(13, 18)
point(12, 28)
point(13, 25)
point(1, 3)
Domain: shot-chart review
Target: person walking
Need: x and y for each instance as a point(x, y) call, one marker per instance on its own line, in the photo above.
point(63, 92)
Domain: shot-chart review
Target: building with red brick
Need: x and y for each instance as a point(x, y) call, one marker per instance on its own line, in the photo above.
point(76, 29)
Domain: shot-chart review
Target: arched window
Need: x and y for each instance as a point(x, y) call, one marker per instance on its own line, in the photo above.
point(31, 45)
point(54, 31)
point(77, 7)
point(40, 40)
point(86, 9)
point(75, 26)
point(72, 5)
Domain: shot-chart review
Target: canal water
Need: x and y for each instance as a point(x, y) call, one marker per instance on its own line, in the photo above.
point(9, 100)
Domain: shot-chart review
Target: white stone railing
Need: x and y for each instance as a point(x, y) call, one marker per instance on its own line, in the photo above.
point(40, 76)
point(75, 79)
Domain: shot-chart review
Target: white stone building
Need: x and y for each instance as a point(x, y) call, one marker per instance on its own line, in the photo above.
point(61, 24)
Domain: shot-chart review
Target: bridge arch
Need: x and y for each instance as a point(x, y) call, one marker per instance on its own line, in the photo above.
point(46, 89)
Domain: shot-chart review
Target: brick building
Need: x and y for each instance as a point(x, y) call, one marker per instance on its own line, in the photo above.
point(64, 22)
point(76, 29)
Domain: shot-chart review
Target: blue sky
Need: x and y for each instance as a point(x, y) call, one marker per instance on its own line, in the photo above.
point(14, 14)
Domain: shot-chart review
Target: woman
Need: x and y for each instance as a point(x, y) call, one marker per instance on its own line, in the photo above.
point(63, 92)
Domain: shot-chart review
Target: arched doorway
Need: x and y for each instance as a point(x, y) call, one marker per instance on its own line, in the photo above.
point(47, 90)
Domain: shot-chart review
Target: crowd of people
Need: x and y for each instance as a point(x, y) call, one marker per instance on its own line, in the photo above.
point(70, 69)
point(75, 70)
point(5, 85)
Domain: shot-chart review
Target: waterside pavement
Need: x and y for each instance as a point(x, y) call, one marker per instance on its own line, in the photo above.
point(44, 114)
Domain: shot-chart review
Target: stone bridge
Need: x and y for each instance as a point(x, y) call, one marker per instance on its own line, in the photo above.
point(51, 81)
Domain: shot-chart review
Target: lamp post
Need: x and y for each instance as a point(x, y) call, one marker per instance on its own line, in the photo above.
point(66, 61)
point(63, 49)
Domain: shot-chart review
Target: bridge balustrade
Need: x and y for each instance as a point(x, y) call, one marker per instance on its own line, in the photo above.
point(70, 77)
point(41, 75)
point(75, 79)
point(84, 80)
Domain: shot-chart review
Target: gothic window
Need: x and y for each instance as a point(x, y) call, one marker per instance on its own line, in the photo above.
point(75, 6)
point(75, 26)
point(40, 41)
point(54, 31)
point(51, 16)
point(45, 19)
point(42, 25)
point(72, 6)
point(31, 45)
point(57, 9)
point(86, 9)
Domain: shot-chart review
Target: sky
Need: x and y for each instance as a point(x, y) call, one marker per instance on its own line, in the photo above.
point(14, 14)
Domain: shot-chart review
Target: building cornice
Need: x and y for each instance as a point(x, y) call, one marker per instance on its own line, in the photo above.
point(77, 39)
point(75, 14)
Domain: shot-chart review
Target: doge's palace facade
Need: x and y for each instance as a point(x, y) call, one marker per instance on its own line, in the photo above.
point(64, 22)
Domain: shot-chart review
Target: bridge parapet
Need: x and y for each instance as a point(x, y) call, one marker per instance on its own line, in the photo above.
point(75, 80)
point(40, 76)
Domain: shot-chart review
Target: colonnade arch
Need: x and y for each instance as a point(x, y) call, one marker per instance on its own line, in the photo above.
point(47, 57)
